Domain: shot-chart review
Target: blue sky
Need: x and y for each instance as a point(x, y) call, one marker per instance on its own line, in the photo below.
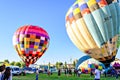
point(48, 14)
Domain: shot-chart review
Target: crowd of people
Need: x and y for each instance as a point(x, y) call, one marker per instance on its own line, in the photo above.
point(96, 73)
point(69, 72)
point(5, 73)
point(112, 72)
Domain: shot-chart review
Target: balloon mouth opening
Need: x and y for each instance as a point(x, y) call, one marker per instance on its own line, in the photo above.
point(87, 51)
point(27, 65)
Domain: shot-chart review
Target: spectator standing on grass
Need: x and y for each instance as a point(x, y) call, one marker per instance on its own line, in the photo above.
point(105, 73)
point(113, 72)
point(48, 72)
point(23, 72)
point(79, 72)
point(74, 71)
point(70, 72)
point(65, 72)
point(59, 72)
point(7, 74)
point(97, 74)
point(37, 73)
point(51, 71)
point(91, 74)
point(116, 72)
point(2, 70)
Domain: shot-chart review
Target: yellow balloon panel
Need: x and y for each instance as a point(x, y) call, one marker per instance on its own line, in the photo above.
point(86, 35)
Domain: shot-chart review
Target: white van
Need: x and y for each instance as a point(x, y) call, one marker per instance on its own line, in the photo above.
point(15, 70)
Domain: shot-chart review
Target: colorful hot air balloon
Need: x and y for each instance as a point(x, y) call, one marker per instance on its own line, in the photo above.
point(30, 42)
point(93, 26)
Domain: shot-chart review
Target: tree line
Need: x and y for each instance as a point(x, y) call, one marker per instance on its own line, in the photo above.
point(58, 65)
point(13, 63)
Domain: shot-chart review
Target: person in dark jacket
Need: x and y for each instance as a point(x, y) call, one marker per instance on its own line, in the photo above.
point(7, 74)
point(59, 72)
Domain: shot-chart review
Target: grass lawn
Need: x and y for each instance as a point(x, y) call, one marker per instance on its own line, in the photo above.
point(62, 77)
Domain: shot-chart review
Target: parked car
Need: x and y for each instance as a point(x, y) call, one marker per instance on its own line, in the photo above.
point(29, 70)
point(41, 71)
point(16, 70)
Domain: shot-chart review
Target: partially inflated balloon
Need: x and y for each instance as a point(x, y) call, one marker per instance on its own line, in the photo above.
point(93, 26)
point(30, 42)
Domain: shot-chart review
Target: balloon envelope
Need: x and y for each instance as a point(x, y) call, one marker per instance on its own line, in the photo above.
point(93, 26)
point(30, 42)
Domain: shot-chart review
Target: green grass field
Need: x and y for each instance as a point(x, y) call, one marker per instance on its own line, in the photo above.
point(62, 77)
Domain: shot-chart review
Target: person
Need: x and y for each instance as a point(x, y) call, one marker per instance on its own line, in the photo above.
point(104, 71)
point(65, 72)
point(116, 72)
point(70, 72)
point(75, 72)
point(79, 72)
point(23, 72)
point(37, 73)
point(97, 74)
point(2, 70)
point(11, 74)
point(48, 72)
point(51, 71)
point(113, 72)
point(7, 74)
point(91, 74)
point(59, 72)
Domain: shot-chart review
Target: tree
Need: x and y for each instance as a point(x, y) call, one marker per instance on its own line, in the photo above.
point(57, 65)
point(74, 63)
point(49, 65)
point(65, 64)
point(76, 60)
point(18, 64)
point(12, 63)
point(7, 61)
point(22, 64)
point(60, 63)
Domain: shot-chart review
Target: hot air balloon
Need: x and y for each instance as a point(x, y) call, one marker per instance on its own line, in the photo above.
point(93, 26)
point(30, 42)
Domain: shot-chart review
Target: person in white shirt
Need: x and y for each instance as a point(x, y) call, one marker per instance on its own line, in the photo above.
point(97, 74)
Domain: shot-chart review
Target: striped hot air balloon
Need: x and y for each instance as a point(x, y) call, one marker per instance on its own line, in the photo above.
point(93, 26)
